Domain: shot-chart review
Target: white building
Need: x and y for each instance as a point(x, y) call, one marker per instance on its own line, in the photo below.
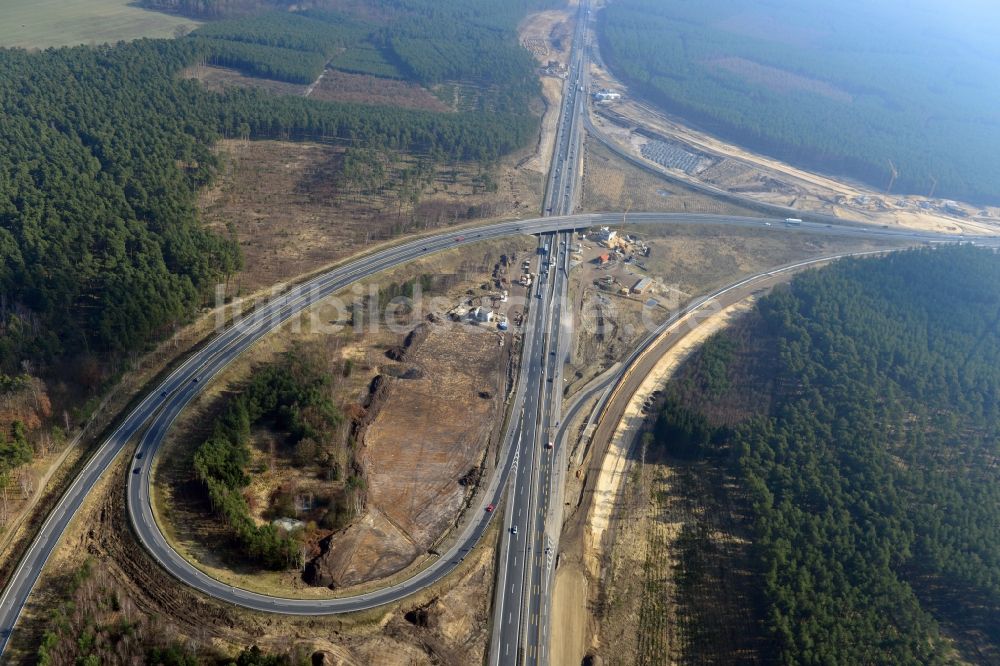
point(482, 314)
point(606, 95)
point(605, 235)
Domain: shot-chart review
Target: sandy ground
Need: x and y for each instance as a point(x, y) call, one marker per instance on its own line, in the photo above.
point(572, 635)
point(546, 35)
point(616, 462)
point(570, 619)
point(776, 182)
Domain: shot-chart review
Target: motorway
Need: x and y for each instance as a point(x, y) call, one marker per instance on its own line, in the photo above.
point(525, 468)
point(157, 410)
point(525, 552)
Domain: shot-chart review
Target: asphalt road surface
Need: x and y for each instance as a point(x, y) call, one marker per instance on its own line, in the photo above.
point(157, 410)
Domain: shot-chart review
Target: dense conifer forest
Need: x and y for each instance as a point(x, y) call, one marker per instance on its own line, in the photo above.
point(294, 395)
point(844, 87)
point(858, 409)
point(105, 149)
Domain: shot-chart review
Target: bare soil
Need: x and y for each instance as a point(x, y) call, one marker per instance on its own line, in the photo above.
point(337, 86)
point(430, 432)
point(446, 624)
point(434, 420)
point(645, 520)
point(282, 202)
point(773, 181)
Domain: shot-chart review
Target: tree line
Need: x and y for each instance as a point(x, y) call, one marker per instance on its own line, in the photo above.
point(105, 149)
point(100, 246)
point(872, 476)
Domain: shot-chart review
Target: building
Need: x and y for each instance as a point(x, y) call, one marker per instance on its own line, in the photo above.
point(605, 235)
point(603, 259)
point(482, 314)
point(642, 285)
point(605, 95)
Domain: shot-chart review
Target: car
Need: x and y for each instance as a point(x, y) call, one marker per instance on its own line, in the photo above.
point(513, 530)
point(767, 224)
point(163, 394)
point(194, 381)
point(459, 238)
point(139, 455)
point(423, 249)
point(489, 508)
point(136, 470)
point(550, 445)
point(538, 295)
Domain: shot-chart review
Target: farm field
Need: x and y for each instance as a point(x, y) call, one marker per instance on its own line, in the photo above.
point(42, 23)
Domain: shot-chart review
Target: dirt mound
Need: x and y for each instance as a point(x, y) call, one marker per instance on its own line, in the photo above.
point(421, 437)
point(413, 340)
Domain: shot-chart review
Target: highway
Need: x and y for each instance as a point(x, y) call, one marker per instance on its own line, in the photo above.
point(522, 479)
point(525, 555)
point(157, 410)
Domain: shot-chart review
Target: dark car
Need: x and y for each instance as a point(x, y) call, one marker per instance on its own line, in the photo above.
point(136, 470)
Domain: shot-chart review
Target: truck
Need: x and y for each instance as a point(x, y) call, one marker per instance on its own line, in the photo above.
point(792, 221)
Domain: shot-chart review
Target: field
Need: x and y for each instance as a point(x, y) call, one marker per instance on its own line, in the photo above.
point(429, 432)
point(42, 23)
point(282, 201)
